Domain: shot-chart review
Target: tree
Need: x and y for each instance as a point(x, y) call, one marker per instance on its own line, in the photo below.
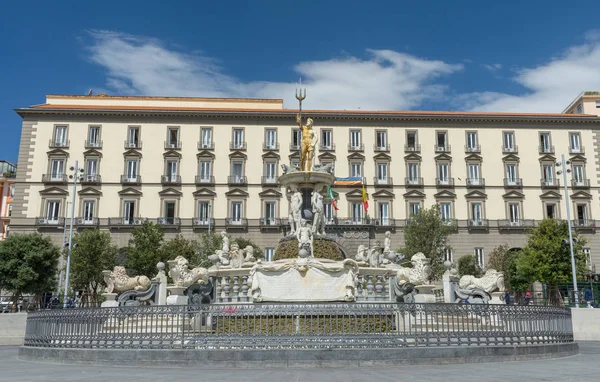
point(547, 258)
point(427, 232)
point(211, 242)
point(92, 254)
point(503, 259)
point(144, 250)
point(467, 265)
point(257, 251)
point(190, 249)
point(28, 264)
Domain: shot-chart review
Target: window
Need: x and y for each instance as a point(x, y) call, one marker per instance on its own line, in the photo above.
point(60, 136)
point(205, 171)
point(10, 206)
point(579, 109)
point(514, 213)
point(413, 173)
point(357, 213)
point(413, 208)
point(203, 212)
point(442, 144)
point(169, 213)
point(472, 141)
point(574, 142)
point(270, 213)
point(443, 173)
point(238, 138)
point(411, 140)
point(269, 254)
point(355, 169)
point(88, 211)
point(270, 172)
point(381, 140)
point(326, 139)
point(236, 212)
point(382, 173)
point(91, 170)
point(545, 146)
point(588, 258)
point(476, 213)
point(445, 211)
point(509, 141)
point(479, 256)
point(578, 177)
point(297, 138)
point(129, 212)
point(271, 139)
point(237, 170)
point(173, 137)
point(171, 170)
point(511, 174)
point(474, 175)
point(206, 137)
point(355, 141)
point(548, 174)
point(94, 136)
point(384, 213)
point(52, 211)
point(11, 190)
point(597, 104)
point(448, 254)
point(581, 213)
point(132, 170)
point(133, 136)
point(57, 169)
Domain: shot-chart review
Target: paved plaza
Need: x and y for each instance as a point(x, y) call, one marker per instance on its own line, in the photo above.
point(583, 367)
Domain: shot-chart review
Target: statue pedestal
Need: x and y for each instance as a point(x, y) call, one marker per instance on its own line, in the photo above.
point(450, 283)
point(425, 294)
point(497, 298)
point(111, 300)
point(176, 296)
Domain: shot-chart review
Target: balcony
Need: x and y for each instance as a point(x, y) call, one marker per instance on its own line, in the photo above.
point(519, 224)
point(270, 146)
point(441, 149)
point(330, 147)
point(126, 221)
point(126, 179)
point(168, 222)
point(549, 183)
point(88, 222)
point(546, 149)
point(510, 150)
point(383, 182)
point(442, 183)
point(206, 145)
point(270, 222)
point(93, 144)
point(269, 180)
point(472, 149)
point(294, 147)
point(133, 144)
point(584, 223)
point(381, 148)
point(576, 150)
point(384, 222)
point(413, 182)
point(359, 147)
point(478, 224)
point(59, 144)
point(475, 182)
point(355, 221)
point(204, 180)
point(236, 222)
point(170, 180)
point(237, 145)
point(580, 183)
point(237, 180)
point(49, 222)
point(513, 182)
point(91, 179)
point(172, 145)
point(203, 222)
point(55, 178)
point(414, 148)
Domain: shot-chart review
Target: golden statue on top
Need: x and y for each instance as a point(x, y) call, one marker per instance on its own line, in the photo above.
point(309, 138)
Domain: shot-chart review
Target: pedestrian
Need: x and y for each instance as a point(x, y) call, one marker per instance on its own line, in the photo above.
point(507, 297)
point(527, 299)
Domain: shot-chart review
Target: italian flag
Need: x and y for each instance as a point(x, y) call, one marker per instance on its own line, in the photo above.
point(332, 197)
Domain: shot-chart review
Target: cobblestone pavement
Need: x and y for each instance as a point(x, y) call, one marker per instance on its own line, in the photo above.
point(582, 367)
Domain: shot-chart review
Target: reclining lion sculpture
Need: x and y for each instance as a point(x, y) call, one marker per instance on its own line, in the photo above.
point(117, 280)
point(183, 276)
point(491, 281)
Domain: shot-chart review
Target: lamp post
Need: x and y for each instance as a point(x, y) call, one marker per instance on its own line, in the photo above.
point(76, 170)
point(564, 170)
point(62, 258)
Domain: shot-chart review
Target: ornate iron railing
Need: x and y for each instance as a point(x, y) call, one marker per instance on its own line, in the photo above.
point(298, 326)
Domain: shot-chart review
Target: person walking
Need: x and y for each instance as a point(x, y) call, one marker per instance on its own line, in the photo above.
point(527, 299)
point(507, 297)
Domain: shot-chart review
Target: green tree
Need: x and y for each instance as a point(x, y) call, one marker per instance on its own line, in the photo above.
point(427, 232)
point(467, 265)
point(504, 260)
point(210, 242)
point(256, 250)
point(547, 258)
point(190, 249)
point(144, 250)
point(92, 254)
point(28, 264)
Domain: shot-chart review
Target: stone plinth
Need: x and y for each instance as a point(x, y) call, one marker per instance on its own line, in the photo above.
point(425, 294)
point(176, 296)
point(306, 179)
point(111, 300)
point(497, 298)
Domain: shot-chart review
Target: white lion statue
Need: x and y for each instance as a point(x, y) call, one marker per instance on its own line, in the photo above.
point(117, 280)
point(491, 281)
point(183, 276)
point(418, 274)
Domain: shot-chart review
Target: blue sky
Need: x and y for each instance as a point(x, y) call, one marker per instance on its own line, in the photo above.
point(438, 55)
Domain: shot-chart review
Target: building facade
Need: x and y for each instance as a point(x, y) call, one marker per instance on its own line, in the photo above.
point(193, 164)
point(587, 102)
point(8, 173)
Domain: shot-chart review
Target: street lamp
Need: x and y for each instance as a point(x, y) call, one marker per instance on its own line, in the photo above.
point(564, 170)
point(76, 171)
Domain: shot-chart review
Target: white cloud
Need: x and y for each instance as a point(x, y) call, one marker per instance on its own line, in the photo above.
point(385, 79)
point(493, 67)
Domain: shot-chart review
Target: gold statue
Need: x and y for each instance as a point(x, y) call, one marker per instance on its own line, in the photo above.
point(309, 141)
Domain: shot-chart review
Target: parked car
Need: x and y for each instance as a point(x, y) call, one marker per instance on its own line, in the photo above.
point(6, 304)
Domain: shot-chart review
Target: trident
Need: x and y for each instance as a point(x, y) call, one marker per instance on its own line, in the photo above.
point(300, 95)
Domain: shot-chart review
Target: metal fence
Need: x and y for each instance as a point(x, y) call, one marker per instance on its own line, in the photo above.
point(298, 326)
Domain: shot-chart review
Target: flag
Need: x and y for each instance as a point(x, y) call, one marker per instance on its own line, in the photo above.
point(349, 181)
point(364, 197)
point(332, 197)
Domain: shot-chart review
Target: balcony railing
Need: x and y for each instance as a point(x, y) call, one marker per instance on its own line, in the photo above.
point(350, 221)
point(294, 147)
point(510, 150)
point(441, 149)
point(447, 182)
point(330, 147)
point(45, 221)
point(412, 148)
point(384, 222)
point(91, 179)
point(124, 221)
point(478, 223)
point(516, 224)
point(359, 147)
point(549, 183)
point(513, 182)
point(58, 143)
point(381, 148)
point(387, 181)
point(203, 222)
point(473, 149)
point(170, 179)
point(55, 178)
point(546, 149)
point(270, 222)
point(580, 183)
point(271, 146)
point(236, 222)
point(205, 179)
point(268, 180)
point(206, 145)
point(576, 150)
point(237, 179)
point(133, 144)
point(475, 182)
point(172, 145)
point(415, 182)
point(237, 146)
point(93, 144)
point(126, 179)
point(168, 221)
point(90, 222)
point(583, 223)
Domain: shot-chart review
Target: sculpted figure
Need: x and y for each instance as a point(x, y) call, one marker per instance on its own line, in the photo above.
point(249, 254)
point(183, 276)
point(237, 256)
point(328, 168)
point(308, 140)
point(118, 281)
point(295, 209)
point(418, 274)
point(361, 254)
point(287, 169)
point(492, 281)
point(387, 243)
point(374, 256)
point(225, 241)
point(305, 237)
point(224, 258)
point(318, 211)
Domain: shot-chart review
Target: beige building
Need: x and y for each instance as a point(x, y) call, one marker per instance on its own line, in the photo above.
point(587, 102)
point(192, 164)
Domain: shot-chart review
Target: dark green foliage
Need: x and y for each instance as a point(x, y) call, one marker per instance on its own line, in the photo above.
point(243, 243)
point(190, 249)
point(467, 265)
point(324, 249)
point(209, 243)
point(144, 250)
